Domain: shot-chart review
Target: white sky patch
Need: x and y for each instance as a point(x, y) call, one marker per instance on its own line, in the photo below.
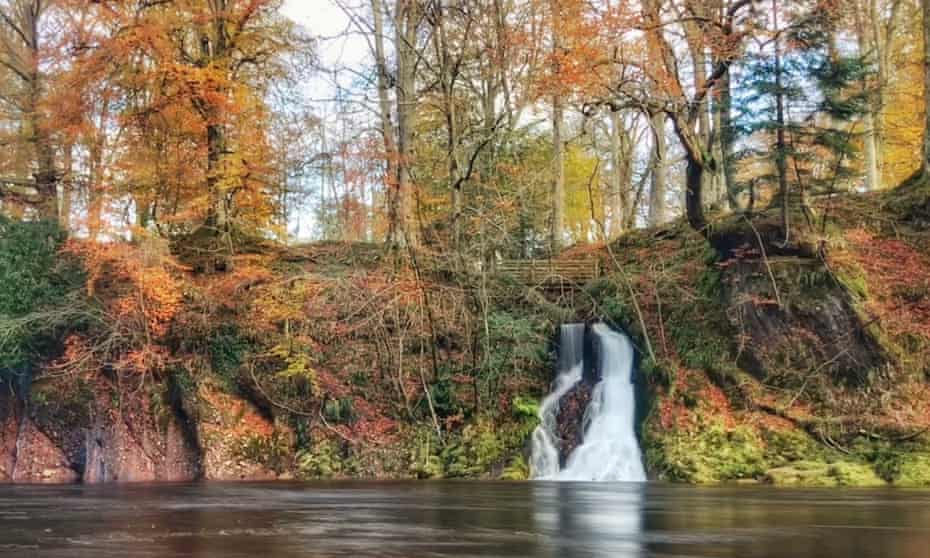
point(343, 54)
point(338, 41)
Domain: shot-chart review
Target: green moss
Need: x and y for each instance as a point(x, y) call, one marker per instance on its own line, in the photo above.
point(339, 411)
point(525, 408)
point(480, 446)
point(228, 350)
point(712, 454)
point(425, 462)
point(914, 470)
point(801, 473)
point(818, 473)
point(324, 459)
point(854, 474)
point(63, 405)
point(272, 452)
point(700, 334)
point(517, 469)
point(786, 446)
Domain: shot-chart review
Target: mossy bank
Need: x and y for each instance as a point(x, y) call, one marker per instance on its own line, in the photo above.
point(794, 363)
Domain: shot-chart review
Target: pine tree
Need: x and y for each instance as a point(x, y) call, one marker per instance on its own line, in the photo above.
point(798, 108)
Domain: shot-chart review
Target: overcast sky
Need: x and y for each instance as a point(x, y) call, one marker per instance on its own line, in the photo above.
point(327, 22)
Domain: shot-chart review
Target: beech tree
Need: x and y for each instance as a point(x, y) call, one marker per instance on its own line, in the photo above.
point(192, 77)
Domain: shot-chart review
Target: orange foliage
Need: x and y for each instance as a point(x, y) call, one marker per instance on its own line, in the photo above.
point(192, 84)
point(709, 401)
point(141, 296)
point(899, 282)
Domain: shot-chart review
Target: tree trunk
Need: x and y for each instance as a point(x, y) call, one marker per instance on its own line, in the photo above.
point(618, 197)
point(870, 137)
point(727, 139)
point(213, 47)
point(694, 35)
point(405, 27)
point(387, 121)
point(46, 175)
point(694, 199)
point(95, 174)
point(558, 178)
point(656, 47)
point(657, 190)
point(447, 77)
point(65, 186)
point(557, 224)
point(21, 24)
point(880, 45)
point(781, 164)
point(925, 6)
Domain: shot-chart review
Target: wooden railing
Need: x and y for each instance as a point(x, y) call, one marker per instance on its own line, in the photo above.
point(551, 273)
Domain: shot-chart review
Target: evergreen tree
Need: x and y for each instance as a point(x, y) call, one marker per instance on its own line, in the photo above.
point(797, 112)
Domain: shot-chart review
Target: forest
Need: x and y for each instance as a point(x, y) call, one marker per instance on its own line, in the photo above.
point(228, 253)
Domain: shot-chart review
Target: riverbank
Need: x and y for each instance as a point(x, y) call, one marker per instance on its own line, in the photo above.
point(801, 363)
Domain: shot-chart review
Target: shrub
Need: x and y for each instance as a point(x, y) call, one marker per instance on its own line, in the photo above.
point(35, 283)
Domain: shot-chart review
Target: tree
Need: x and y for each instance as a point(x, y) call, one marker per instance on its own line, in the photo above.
point(558, 147)
point(21, 56)
point(799, 110)
point(685, 106)
point(191, 78)
point(925, 168)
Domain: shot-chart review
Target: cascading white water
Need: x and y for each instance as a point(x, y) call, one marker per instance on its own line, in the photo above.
point(610, 450)
point(544, 462)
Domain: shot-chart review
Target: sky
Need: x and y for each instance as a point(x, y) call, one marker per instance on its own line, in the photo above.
point(327, 22)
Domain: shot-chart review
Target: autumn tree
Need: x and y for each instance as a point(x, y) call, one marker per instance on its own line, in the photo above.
point(192, 77)
point(22, 53)
point(925, 167)
point(685, 106)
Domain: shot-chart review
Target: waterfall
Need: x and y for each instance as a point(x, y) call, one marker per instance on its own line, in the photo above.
point(545, 458)
point(609, 450)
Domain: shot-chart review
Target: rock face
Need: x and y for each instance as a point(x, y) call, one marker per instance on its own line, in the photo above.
point(572, 409)
point(38, 460)
point(27, 455)
point(823, 327)
point(239, 443)
point(138, 437)
point(137, 447)
point(9, 432)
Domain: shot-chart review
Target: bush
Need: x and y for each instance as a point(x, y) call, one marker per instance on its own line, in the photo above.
point(34, 282)
point(228, 351)
point(914, 471)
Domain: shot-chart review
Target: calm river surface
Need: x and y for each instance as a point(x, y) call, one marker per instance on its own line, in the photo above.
point(462, 519)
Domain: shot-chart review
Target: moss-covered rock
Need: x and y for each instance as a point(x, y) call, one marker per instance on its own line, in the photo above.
point(708, 455)
point(818, 473)
point(914, 471)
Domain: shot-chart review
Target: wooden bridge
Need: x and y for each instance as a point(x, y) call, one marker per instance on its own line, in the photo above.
point(551, 274)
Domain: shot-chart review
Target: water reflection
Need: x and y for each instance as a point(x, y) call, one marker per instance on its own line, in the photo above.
point(597, 520)
point(458, 520)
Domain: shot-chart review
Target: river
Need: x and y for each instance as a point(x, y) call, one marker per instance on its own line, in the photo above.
point(461, 519)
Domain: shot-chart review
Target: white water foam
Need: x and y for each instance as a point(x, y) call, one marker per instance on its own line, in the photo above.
point(610, 450)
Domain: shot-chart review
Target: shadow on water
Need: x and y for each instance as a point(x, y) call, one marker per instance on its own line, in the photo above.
point(463, 519)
